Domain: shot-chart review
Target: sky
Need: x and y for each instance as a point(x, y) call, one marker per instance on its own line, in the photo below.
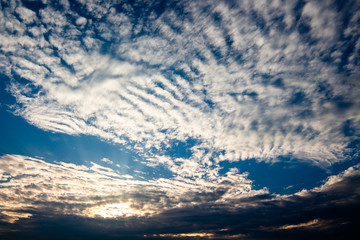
point(179, 119)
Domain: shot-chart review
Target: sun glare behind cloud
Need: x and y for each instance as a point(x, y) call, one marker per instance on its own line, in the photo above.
point(115, 210)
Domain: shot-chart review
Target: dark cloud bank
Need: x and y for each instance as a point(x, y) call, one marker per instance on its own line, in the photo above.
point(331, 213)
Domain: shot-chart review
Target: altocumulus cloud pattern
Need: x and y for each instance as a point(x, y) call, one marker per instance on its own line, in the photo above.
point(224, 119)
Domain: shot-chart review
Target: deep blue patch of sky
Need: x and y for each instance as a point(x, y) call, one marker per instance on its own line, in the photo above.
point(281, 177)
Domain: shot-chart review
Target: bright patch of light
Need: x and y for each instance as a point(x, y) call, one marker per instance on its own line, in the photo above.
point(181, 235)
point(115, 210)
point(12, 217)
point(312, 223)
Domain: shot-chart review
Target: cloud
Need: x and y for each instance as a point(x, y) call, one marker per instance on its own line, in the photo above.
point(213, 76)
point(12, 217)
point(81, 21)
point(106, 160)
point(38, 195)
point(187, 85)
point(183, 235)
point(26, 15)
point(324, 212)
point(312, 223)
point(31, 184)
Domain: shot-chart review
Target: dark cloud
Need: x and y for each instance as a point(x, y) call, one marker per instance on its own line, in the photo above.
point(329, 212)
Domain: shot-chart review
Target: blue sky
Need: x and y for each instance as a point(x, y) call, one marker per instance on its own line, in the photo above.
point(121, 114)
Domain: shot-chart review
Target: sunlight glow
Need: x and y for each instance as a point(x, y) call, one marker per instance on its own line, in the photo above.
point(182, 235)
point(115, 210)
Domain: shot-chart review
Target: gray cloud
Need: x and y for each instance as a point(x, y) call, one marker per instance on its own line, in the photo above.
point(31, 184)
point(329, 210)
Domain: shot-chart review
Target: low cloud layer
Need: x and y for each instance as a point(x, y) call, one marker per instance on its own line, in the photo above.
point(31, 184)
point(53, 196)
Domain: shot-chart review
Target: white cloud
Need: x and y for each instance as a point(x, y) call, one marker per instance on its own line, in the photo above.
point(213, 81)
point(26, 15)
point(322, 19)
point(334, 182)
point(81, 21)
point(106, 160)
